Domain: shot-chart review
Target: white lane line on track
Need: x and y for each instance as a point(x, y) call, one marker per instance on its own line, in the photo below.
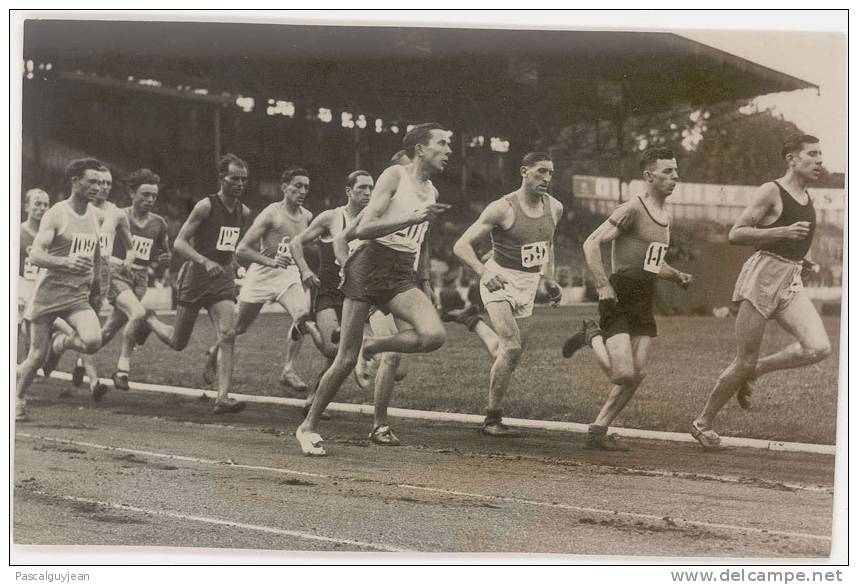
point(222, 522)
point(523, 501)
point(474, 419)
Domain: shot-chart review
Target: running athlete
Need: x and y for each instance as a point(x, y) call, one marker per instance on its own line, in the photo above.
point(521, 225)
point(128, 283)
point(779, 222)
point(36, 203)
point(66, 248)
point(639, 232)
point(115, 222)
point(208, 241)
point(329, 298)
point(273, 276)
point(381, 271)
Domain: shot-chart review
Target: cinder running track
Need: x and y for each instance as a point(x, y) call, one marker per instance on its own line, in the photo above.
point(154, 470)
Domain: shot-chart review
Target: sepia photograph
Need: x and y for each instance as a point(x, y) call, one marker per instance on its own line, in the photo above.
point(291, 285)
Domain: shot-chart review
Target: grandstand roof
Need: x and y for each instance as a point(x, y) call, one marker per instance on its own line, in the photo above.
point(514, 82)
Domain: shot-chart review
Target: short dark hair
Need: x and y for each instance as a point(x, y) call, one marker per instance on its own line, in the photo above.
point(353, 177)
point(394, 160)
point(796, 141)
point(292, 172)
point(229, 159)
point(142, 177)
point(651, 155)
point(77, 168)
point(531, 158)
point(419, 134)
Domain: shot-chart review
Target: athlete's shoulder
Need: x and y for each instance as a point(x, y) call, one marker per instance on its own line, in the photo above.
point(154, 217)
point(556, 204)
point(308, 215)
point(500, 208)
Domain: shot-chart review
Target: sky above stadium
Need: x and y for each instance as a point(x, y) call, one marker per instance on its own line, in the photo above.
point(819, 58)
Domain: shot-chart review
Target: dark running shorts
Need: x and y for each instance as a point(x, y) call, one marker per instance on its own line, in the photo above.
point(123, 279)
point(329, 298)
point(196, 287)
point(633, 311)
point(375, 274)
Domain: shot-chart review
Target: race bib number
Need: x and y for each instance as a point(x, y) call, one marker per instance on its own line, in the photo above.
point(142, 247)
point(655, 257)
point(227, 240)
point(413, 233)
point(83, 245)
point(534, 254)
point(105, 242)
point(283, 247)
point(30, 269)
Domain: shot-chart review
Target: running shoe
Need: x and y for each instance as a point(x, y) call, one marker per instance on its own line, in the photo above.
point(365, 369)
point(228, 406)
point(598, 438)
point(78, 373)
point(583, 337)
point(383, 435)
point(743, 396)
point(708, 438)
point(21, 414)
point(292, 380)
point(98, 392)
point(210, 367)
point(496, 428)
point(120, 380)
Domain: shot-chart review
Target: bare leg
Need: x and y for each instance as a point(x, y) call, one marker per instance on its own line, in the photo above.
point(637, 349)
point(40, 338)
point(87, 336)
point(750, 326)
point(801, 320)
point(297, 304)
point(385, 378)
point(427, 333)
point(509, 335)
point(327, 321)
point(351, 335)
point(177, 336)
point(222, 315)
point(488, 336)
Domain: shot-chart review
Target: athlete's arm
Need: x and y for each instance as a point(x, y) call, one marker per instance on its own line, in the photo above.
point(162, 246)
point(745, 231)
point(607, 232)
point(424, 276)
point(548, 270)
point(374, 225)
point(319, 226)
point(247, 250)
point(42, 242)
point(182, 246)
point(668, 272)
point(491, 217)
point(123, 230)
point(342, 239)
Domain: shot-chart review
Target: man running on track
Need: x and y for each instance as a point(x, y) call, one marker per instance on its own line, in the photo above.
point(273, 276)
point(128, 284)
point(36, 204)
point(521, 225)
point(779, 222)
point(67, 287)
point(115, 222)
point(208, 241)
point(329, 298)
point(381, 271)
point(639, 232)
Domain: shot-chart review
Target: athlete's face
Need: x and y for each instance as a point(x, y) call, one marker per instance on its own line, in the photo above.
point(807, 162)
point(106, 187)
point(436, 151)
point(296, 190)
point(537, 177)
point(663, 175)
point(88, 185)
point(37, 205)
point(144, 198)
point(360, 192)
point(234, 181)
